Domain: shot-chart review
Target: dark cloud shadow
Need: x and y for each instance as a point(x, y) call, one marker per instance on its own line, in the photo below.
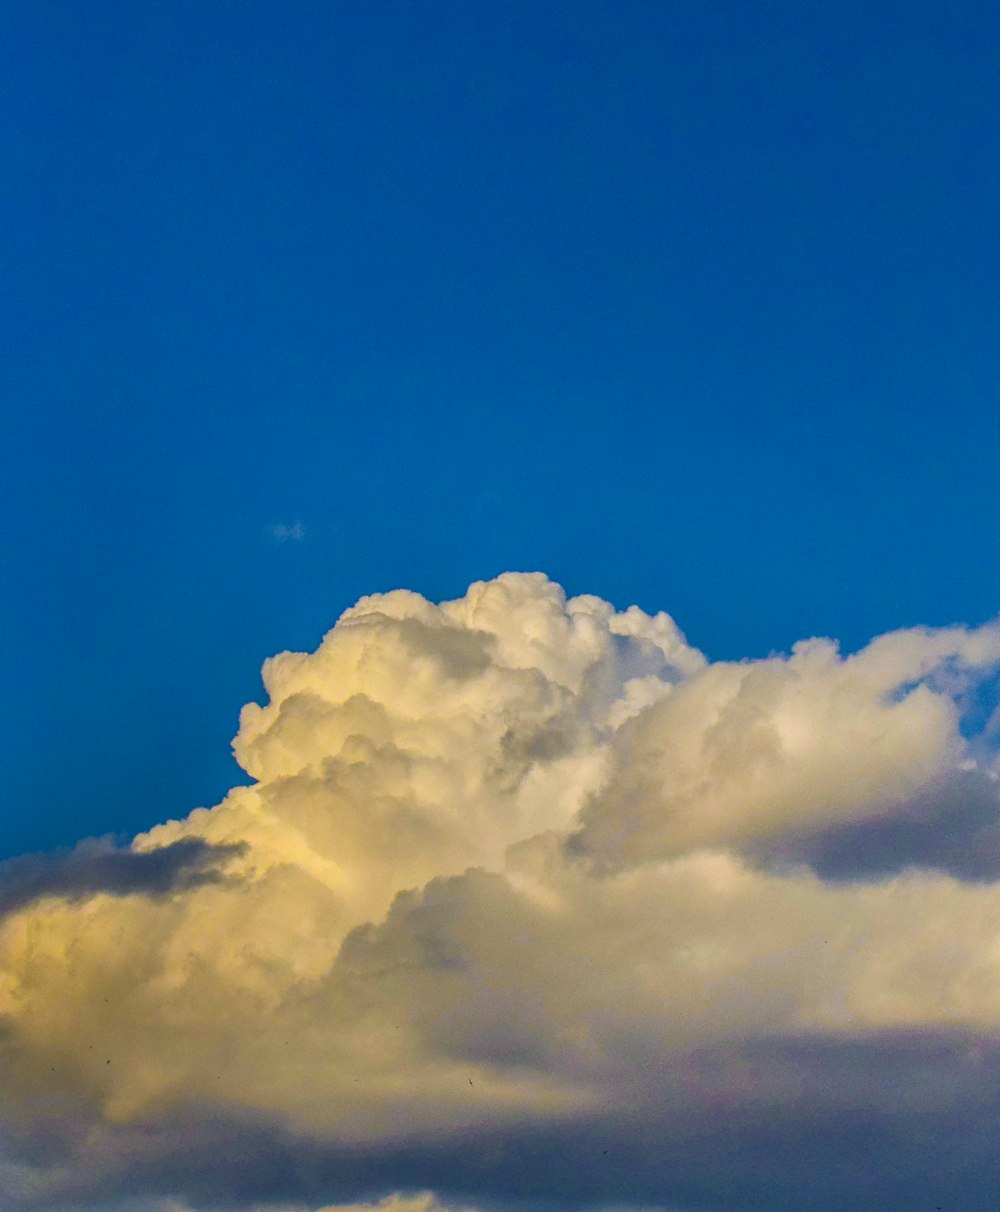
point(100, 866)
point(894, 1122)
point(953, 826)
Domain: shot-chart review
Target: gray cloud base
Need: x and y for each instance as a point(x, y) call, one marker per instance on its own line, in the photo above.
point(848, 1140)
point(100, 867)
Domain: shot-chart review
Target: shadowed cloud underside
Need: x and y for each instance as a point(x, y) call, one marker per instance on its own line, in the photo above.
point(100, 866)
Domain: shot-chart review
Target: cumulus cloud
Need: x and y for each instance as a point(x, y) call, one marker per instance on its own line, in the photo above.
point(531, 902)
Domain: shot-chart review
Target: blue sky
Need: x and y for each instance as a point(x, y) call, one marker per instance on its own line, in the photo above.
point(690, 305)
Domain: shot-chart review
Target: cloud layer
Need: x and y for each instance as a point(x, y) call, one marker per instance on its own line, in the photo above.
point(531, 903)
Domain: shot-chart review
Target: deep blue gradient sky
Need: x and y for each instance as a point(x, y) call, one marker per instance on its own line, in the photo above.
point(693, 305)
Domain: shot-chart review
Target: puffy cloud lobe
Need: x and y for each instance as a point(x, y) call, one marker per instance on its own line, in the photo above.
point(784, 746)
point(515, 863)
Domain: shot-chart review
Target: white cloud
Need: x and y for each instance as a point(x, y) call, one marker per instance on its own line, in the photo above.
point(785, 745)
point(282, 533)
point(502, 858)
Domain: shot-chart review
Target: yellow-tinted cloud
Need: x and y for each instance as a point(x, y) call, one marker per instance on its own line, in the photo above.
point(500, 856)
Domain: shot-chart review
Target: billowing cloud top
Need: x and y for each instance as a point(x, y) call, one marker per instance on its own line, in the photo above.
point(529, 902)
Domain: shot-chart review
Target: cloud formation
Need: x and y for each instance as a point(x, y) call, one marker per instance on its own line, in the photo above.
point(530, 904)
point(281, 532)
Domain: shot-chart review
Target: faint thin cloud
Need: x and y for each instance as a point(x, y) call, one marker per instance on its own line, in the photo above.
point(287, 534)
